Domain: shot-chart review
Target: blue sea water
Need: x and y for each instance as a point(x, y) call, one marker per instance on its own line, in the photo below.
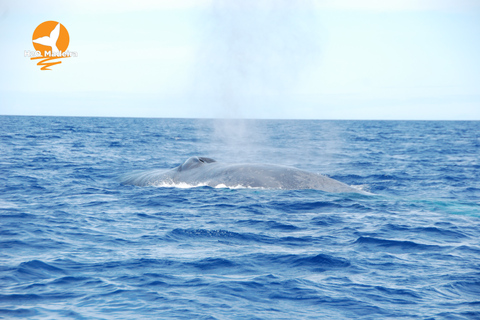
point(76, 244)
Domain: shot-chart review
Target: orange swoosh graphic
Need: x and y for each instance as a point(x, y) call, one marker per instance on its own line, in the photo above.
point(45, 64)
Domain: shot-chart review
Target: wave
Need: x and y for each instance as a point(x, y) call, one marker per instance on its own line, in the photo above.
point(395, 245)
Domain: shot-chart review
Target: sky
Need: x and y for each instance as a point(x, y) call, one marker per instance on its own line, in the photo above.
point(274, 59)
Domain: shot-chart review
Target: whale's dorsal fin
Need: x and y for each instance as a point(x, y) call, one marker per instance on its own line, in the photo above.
point(206, 160)
point(194, 162)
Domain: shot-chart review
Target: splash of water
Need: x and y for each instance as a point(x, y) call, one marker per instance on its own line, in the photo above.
point(252, 53)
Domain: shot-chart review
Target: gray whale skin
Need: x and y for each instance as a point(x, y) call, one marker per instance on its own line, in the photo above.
point(201, 171)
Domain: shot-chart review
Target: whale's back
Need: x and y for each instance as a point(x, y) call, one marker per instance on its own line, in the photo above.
point(201, 171)
point(272, 177)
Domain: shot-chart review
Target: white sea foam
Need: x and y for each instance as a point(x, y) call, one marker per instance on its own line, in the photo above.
point(180, 185)
point(183, 185)
point(362, 187)
point(239, 186)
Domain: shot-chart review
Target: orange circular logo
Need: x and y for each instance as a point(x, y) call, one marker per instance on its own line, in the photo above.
point(50, 36)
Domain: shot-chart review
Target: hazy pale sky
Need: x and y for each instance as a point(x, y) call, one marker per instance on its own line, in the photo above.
point(344, 59)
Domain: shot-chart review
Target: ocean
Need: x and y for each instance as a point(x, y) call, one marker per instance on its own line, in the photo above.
point(77, 244)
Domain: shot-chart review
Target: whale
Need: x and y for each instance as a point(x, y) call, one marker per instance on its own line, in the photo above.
point(203, 171)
